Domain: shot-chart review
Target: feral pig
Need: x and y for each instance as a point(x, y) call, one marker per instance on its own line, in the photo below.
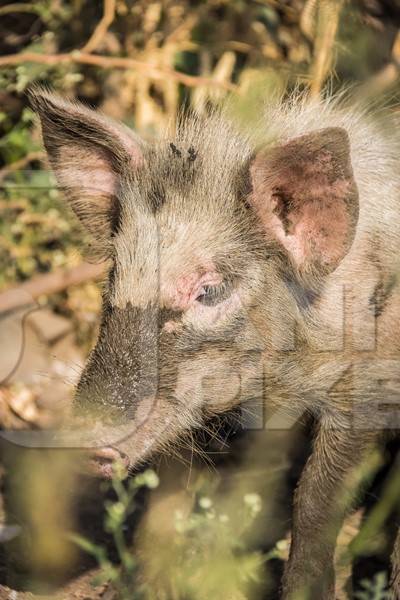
point(243, 266)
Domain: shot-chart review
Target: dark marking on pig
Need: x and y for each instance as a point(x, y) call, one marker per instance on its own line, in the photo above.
point(156, 196)
point(175, 150)
point(381, 295)
point(305, 297)
point(127, 345)
point(111, 281)
point(192, 154)
point(284, 204)
point(242, 184)
point(169, 177)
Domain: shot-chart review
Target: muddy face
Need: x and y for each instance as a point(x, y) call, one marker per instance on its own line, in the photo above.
point(176, 330)
point(214, 250)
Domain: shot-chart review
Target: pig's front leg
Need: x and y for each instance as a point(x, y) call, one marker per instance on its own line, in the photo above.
point(321, 501)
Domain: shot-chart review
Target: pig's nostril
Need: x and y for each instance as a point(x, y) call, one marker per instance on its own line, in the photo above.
point(102, 461)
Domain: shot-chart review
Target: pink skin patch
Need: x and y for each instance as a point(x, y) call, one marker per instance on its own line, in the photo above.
point(102, 461)
point(189, 287)
point(183, 296)
point(315, 230)
point(306, 196)
point(170, 326)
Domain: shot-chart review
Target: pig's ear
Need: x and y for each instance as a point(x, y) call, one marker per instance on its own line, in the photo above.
point(306, 197)
point(88, 153)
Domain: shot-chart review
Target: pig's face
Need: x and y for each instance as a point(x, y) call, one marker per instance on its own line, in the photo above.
point(204, 240)
point(187, 266)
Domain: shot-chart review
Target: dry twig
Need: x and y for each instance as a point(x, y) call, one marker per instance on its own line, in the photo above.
point(100, 31)
point(25, 7)
point(21, 163)
point(109, 62)
point(49, 283)
point(327, 22)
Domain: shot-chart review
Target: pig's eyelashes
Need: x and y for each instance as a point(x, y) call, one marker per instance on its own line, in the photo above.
point(210, 295)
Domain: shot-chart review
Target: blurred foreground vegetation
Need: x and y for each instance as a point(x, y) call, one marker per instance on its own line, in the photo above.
point(214, 536)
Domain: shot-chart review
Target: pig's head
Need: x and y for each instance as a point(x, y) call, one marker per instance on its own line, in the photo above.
point(207, 241)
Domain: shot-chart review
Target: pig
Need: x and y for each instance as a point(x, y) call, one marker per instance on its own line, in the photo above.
point(246, 264)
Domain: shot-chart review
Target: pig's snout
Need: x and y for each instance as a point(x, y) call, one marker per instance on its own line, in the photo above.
point(101, 462)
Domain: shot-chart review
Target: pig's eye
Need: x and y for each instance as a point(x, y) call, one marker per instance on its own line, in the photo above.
point(210, 295)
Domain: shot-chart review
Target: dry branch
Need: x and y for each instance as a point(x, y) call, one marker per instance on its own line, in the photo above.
point(327, 23)
point(25, 7)
point(100, 31)
point(50, 283)
point(110, 62)
point(21, 163)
